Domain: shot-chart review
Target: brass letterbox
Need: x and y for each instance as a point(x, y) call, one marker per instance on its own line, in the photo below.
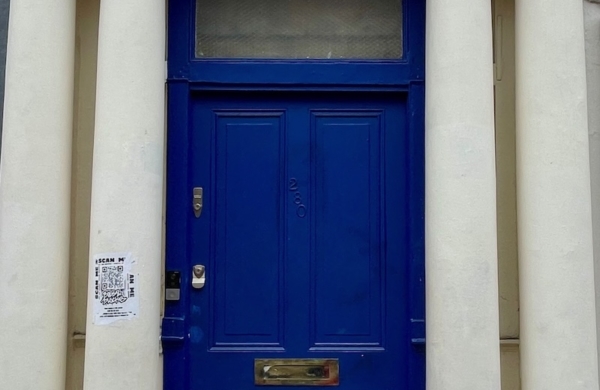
point(296, 372)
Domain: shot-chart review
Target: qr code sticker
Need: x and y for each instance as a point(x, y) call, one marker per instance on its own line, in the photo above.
point(113, 284)
point(115, 288)
point(113, 278)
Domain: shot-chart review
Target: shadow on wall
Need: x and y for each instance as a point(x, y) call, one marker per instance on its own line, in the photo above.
point(4, 9)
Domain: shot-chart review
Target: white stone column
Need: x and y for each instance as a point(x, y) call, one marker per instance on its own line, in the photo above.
point(558, 323)
point(461, 252)
point(35, 189)
point(127, 187)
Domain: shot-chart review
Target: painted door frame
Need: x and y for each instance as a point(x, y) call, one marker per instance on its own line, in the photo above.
point(188, 76)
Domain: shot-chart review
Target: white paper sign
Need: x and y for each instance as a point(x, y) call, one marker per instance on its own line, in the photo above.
point(115, 288)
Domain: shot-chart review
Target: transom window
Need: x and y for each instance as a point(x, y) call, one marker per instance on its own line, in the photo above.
point(299, 29)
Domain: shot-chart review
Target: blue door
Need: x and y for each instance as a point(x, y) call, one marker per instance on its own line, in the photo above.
point(301, 260)
point(294, 211)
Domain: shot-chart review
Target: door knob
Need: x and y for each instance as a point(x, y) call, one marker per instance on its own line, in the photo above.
point(198, 276)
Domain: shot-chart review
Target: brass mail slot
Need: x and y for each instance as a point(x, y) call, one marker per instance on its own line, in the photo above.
point(296, 372)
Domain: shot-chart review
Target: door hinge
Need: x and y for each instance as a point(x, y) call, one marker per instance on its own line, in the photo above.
point(417, 331)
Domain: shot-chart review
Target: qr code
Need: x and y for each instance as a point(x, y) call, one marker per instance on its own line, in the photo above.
point(112, 278)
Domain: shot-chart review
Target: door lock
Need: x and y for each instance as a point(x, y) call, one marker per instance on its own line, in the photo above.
point(199, 276)
point(198, 201)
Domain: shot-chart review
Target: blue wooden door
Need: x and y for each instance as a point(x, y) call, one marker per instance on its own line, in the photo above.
point(304, 236)
point(303, 124)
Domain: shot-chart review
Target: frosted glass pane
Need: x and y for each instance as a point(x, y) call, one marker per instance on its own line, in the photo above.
point(299, 29)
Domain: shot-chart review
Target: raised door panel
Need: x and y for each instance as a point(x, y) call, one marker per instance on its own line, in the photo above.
point(348, 305)
point(249, 246)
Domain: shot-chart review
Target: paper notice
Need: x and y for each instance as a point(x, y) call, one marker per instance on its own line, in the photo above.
point(115, 288)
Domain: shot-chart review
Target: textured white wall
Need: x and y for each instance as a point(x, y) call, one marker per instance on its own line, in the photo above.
point(592, 47)
point(4, 6)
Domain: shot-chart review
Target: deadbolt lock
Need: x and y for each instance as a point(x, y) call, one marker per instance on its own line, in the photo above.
point(198, 276)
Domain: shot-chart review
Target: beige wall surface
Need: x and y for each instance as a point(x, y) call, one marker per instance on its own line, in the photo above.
point(86, 49)
point(508, 273)
point(509, 359)
point(592, 41)
point(506, 167)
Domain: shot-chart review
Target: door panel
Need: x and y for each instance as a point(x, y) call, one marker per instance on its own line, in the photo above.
point(303, 260)
point(248, 225)
point(347, 275)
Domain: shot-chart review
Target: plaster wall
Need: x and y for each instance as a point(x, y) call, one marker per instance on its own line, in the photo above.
point(592, 47)
point(86, 49)
point(4, 9)
point(508, 273)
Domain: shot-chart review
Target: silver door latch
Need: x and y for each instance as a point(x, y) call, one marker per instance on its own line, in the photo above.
point(198, 201)
point(199, 276)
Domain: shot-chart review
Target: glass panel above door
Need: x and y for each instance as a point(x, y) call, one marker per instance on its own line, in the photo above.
point(299, 29)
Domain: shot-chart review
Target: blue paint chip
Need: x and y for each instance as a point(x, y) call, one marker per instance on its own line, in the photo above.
point(196, 335)
point(197, 310)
